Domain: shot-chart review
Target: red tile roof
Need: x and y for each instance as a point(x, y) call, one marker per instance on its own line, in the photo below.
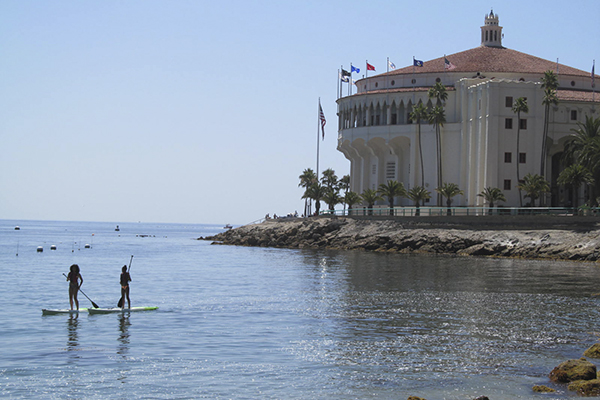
point(577, 95)
point(489, 60)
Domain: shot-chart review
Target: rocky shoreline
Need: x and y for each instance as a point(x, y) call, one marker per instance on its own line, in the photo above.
point(531, 237)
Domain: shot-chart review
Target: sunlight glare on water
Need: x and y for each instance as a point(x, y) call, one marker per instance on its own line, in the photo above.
point(245, 323)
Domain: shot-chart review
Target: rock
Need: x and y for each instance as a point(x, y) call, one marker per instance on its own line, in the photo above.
point(543, 389)
point(593, 351)
point(586, 387)
point(573, 370)
point(473, 236)
point(482, 398)
point(415, 398)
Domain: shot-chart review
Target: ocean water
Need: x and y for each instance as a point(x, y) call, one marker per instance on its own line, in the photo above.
point(261, 323)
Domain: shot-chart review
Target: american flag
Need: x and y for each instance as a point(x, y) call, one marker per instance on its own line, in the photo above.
point(322, 119)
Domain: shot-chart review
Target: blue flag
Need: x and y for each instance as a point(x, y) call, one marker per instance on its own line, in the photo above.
point(417, 63)
point(354, 69)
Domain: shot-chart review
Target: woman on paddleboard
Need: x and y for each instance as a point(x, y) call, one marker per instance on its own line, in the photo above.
point(125, 279)
point(75, 281)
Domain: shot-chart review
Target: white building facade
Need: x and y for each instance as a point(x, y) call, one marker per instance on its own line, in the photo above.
point(479, 137)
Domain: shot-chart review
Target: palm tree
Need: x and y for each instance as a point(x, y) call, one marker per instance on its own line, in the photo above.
point(315, 192)
point(344, 184)
point(549, 84)
point(307, 178)
point(331, 198)
point(492, 195)
point(390, 190)
point(437, 117)
point(575, 175)
point(351, 198)
point(418, 194)
point(583, 147)
point(534, 186)
point(439, 92)
point(520, 106)
point(330, 180)
point(449, 190)
point(418, 114)
point(370, 196)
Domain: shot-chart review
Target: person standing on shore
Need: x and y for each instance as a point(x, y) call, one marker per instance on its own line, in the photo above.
point(125, 279)
point(75, 281)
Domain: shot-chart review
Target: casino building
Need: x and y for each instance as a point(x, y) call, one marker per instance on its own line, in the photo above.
point(479, 137)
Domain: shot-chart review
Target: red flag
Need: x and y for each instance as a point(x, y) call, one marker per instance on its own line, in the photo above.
point(370, 67)
point(322, 119)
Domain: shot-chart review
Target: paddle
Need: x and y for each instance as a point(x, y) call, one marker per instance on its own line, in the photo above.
point(93, 304)
point(122, 299)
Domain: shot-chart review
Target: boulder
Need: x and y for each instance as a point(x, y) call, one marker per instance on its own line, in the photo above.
point(543, 389)
point(586, 388)
point(573, 370)
point(593, 351)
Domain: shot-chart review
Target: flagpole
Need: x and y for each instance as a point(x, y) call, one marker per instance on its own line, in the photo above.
point(350, 83)
point(593, 85)
point(318, 124)
point(338, 84)
point(413, 81)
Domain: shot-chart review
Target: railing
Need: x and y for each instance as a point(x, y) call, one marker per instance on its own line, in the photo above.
point(412, 211)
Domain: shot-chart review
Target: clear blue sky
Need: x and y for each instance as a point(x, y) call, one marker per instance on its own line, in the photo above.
point(206, 112)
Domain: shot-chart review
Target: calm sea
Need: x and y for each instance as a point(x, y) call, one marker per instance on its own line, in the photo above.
point(260, 323)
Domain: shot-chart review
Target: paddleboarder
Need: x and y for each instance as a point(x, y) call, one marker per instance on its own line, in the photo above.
point(125, 279)
point(75, 281)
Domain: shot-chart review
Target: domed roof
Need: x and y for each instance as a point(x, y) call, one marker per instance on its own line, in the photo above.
point(489, 60)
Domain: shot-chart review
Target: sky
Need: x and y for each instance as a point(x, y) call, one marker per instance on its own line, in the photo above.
point(189, 111)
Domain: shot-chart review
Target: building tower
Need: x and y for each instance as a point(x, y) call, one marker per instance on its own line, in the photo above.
point(491, 32)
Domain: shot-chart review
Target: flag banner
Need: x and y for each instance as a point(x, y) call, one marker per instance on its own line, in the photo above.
point(354, 69)
point(417, 63)
point(391, 65)
point(370, 67)
point(322, 119)
point(345, 73)
point(344, 78)
point(448, 65)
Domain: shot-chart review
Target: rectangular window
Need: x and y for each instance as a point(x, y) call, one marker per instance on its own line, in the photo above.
point(573, 115)
point(523, 123)
point(394, 119)
point(372, 120)
point(508, 123)
point(507, 184)
point(390, 170)
point(509, 101)
point(522, 158)
point(507, 157)
point(377, 120)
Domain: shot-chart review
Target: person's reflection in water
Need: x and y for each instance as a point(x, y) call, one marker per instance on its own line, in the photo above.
point(124, 324)
point(72, 336)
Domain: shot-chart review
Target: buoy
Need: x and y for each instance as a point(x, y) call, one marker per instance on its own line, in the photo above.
point(40, 249)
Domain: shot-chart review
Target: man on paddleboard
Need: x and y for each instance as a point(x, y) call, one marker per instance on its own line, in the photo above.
point(75, 281)
point(125, 279)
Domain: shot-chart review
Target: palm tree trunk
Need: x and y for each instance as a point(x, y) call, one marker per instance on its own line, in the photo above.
point(421, 155)
point(517, 158)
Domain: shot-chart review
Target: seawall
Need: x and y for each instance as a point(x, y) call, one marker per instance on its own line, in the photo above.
point(535, 237)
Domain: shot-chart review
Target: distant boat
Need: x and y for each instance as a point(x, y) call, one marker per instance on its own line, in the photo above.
point(17, 228)
point(227, 226)
point(117, 229)
point(40, 249)
point(53, 247)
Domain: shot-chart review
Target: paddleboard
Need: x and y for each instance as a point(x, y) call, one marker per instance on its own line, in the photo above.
point(119, 310)
point(49, 311)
